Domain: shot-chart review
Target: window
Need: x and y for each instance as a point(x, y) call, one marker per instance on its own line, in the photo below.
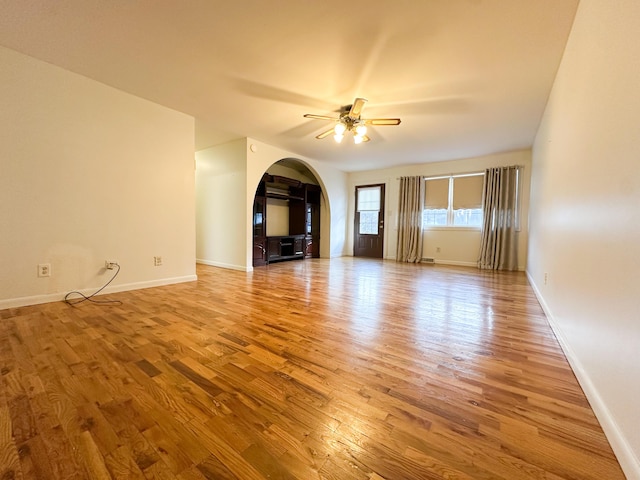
point(453, 201)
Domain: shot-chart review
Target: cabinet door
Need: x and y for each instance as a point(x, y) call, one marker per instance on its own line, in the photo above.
point(259, 251)
point(298, 246)
point(260, 217)
point(308, 220)
point(312, 219)
point(315, 246)
point(273, 248)
point(308, 247)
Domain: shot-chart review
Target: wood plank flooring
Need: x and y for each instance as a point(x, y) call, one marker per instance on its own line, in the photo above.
point(342, 369)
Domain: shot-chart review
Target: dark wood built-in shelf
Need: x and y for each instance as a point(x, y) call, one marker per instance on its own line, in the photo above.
point(288, 247)
point(303, 240)
point(280, 196)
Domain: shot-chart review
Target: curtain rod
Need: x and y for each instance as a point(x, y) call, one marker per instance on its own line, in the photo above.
point(445, 175)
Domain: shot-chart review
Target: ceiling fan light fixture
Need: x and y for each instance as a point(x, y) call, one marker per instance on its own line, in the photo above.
point(351, 121)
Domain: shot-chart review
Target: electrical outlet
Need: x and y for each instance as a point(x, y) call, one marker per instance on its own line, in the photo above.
point(157, 261)
point(110, 264)
point(44, 269)
point(546, 277)
point(437, 249)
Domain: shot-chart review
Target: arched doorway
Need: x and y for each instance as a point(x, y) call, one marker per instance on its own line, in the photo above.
point(286, 214)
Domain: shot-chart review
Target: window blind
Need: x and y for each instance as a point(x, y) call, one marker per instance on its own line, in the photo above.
point(368, 199)
point(436, 193)
point(467, 192)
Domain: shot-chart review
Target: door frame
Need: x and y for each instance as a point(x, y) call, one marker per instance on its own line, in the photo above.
point(381, 221)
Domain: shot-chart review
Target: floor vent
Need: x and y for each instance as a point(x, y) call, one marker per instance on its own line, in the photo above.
point(428, 260)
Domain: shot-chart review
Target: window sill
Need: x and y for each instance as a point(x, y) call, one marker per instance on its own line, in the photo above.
point(450, 228)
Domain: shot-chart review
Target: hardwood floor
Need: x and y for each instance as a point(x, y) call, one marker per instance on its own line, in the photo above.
point(317, 369)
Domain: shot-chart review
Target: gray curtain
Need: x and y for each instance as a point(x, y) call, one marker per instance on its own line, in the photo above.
point(410, 219)
point(499, 243)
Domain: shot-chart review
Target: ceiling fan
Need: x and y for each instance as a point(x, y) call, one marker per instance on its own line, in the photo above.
point(350, 121)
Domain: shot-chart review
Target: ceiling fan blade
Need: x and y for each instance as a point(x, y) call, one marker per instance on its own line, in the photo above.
point(319, 117)
point(324, 134)
point(382, 121)
point(357, 107)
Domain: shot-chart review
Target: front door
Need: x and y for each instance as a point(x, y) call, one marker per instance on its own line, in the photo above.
point(369, 221)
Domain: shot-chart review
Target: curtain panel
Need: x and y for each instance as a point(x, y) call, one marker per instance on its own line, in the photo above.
point(499, 240)
point(410, 209)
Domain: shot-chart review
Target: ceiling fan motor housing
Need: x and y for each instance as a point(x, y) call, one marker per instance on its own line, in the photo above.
point(348, 121)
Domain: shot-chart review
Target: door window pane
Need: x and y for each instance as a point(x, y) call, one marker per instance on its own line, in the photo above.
point(368, 223)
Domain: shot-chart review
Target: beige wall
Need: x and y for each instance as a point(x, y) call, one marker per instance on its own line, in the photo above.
point(221, 203)
point(585, 215)
point(89, 173)
point(457, 246)
point(277, 217)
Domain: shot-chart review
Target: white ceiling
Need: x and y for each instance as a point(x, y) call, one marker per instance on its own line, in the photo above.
point(467, 77)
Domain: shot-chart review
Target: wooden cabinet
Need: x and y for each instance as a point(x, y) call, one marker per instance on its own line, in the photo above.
point(303, 240)
point(286, 247)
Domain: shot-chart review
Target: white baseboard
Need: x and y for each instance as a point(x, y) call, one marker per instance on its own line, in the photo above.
point(229, 266)
point(57, 297)
point(456, 263)
point(626, 457)
point(467, 264)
